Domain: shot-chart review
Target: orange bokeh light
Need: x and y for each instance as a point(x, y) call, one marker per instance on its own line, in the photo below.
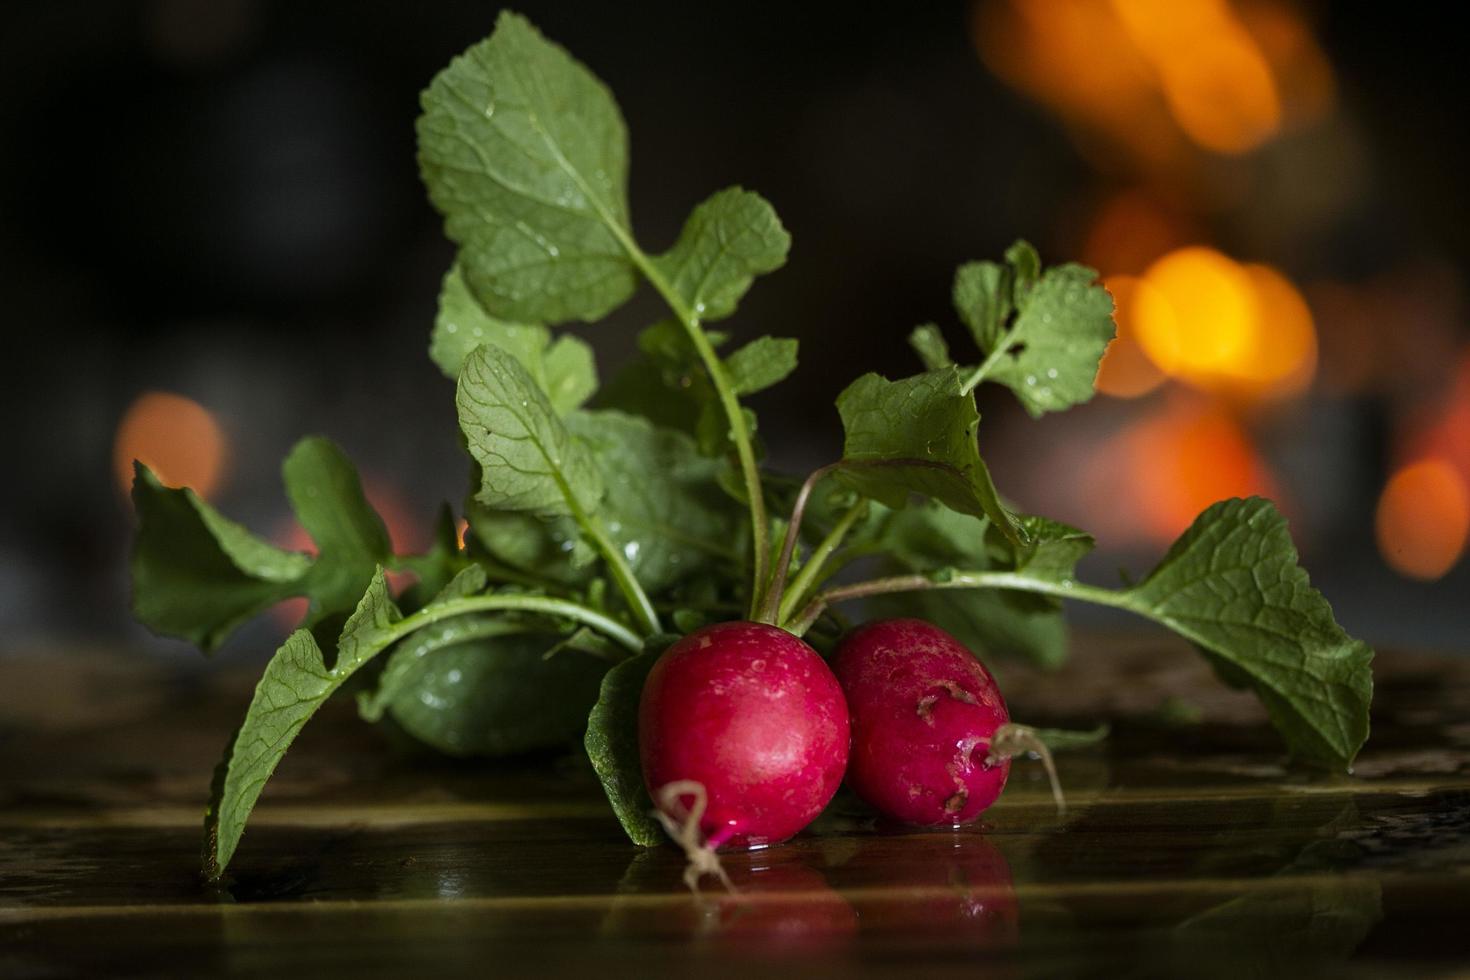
point(1203, 324)
point(1215, 80)
point(1187, 458)
point(1423, 519)
point(1242, 330)
point(174, 436)
point(1126, 371)
point(1283, 353)
point(1129, 231)
point(1148, 482)
point(1158, 75)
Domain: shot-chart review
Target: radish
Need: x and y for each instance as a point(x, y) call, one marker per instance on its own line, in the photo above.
point(781, 909)
point(936, 890)
point(743, 738)
point(931, 737)
point(781, 904)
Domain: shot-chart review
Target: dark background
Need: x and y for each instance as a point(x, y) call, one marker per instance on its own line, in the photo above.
point(220, 200)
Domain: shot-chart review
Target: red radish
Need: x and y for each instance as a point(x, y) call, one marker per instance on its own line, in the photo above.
point(781, 904)
point(931, 737)
point(936, 891)
point(743, 736)
point(782, 909)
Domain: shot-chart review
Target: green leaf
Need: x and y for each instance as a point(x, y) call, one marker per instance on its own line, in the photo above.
point(643, 387)
point(462, 324)
point(565, 369)
point(728, 240)
point(668, 343)
point(198, 575)
point(991, 622)
point(401, 674)
point(928, 343)
point(1057, 341)
point(1232, 585)
point(493, 696)
point(1052, 549)
point(760, 364)
point(666, 512)
point(548, 550)
point(351, 540)
point(524, 152)
point(1025, 267)
point(569, 373)
point(528, 459)
point(982, 298)
point(917, 435)
point(612, 745)
point(297, 682)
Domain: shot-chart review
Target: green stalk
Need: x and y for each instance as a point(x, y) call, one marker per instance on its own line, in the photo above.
point(689, 320)
point(810, 571)
point(545, 605)
point(623, 577)
point(739, 434)
point(981, 370)
point(1066, 589)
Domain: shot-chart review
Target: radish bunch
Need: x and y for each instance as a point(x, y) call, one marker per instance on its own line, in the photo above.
point(745, 732)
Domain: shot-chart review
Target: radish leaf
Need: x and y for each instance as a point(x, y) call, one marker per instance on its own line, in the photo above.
point(525, 153)
point(198, 575)
point(917, 435)
point(297, 682)
point(1232, 585)
point(728, 240)
point(528, 459)
point(612, 745)
point(563, 368)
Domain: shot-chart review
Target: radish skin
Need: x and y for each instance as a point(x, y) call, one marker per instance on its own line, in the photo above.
point(924, 714)
point(743, 736)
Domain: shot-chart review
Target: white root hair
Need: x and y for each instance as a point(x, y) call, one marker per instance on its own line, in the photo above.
point(681, 823)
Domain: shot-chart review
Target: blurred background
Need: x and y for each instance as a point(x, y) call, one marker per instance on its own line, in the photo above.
point(213, 241)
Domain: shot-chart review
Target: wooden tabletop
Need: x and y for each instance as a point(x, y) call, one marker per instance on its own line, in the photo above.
point(1188, 849)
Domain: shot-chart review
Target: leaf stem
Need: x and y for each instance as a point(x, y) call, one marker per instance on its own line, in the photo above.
point(622, 573)
point(1064, 589)
point(984, 367)
point(814, 565)
point(774, 594)
point(689, 319)
point(545, 605)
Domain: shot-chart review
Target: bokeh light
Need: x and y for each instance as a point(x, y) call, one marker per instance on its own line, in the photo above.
point(1423, 519)
point(1241, 330)
point(1214, 78)
point(1147, 482)
point(1129, 230)
point(174, 436)
point(1157, 76)
point(1202, 325)
point(1126, 371)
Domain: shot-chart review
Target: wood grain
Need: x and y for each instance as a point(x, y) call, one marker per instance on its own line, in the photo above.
point(1187, 849)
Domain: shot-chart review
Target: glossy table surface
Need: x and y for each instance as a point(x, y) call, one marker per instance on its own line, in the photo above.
point(1188, 848)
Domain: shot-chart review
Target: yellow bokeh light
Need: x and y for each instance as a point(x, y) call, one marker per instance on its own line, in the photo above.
point(174, 436)
point(1241, 330)
point(1205, 317)
point(1126, 371)
point(1423, 519)
point(1283, 353)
